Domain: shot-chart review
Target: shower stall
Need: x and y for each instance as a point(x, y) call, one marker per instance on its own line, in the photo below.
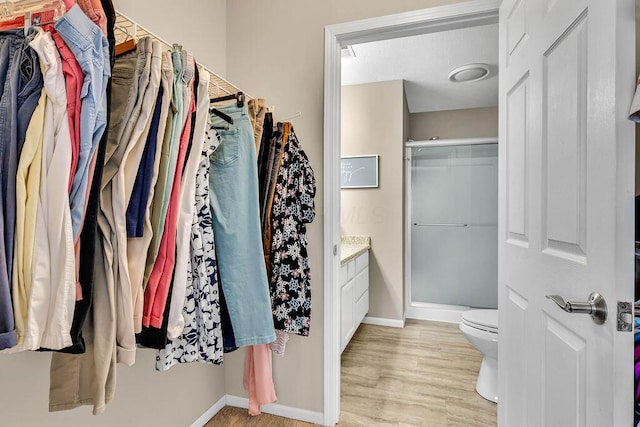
point(451, 227)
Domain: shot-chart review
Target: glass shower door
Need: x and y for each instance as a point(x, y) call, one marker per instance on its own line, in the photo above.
point(454, 233)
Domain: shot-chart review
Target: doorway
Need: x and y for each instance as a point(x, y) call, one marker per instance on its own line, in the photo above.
point(431, 20)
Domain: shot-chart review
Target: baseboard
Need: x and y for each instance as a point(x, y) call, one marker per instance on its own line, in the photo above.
point(381, 321)
point(211, 412)
point(279, 410)
point(447, 314)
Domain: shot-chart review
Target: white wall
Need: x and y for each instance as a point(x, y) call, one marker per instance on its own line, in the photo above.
point(198, 25)
point(372, 127)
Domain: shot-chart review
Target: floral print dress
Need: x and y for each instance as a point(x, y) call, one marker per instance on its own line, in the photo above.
point(292, 210)
point(201, 339)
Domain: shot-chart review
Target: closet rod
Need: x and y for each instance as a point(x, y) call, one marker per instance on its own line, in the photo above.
point(218, 86)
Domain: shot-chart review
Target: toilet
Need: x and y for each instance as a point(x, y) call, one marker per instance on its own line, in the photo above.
point(480, 327)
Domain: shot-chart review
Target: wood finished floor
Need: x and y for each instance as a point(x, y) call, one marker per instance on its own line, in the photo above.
point(238, 417)
point(422, 375)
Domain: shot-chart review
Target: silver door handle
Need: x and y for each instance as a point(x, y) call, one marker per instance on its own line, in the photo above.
point(596, 306)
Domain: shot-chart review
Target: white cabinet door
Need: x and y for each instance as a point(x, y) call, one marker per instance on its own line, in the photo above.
point(347, 313)
point(566, 210)
point(362, 282)
point(362, 307)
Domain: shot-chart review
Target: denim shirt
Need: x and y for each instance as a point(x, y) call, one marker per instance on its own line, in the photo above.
point(90, 46)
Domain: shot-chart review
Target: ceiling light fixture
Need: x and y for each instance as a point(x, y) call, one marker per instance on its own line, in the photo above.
point(469, 73)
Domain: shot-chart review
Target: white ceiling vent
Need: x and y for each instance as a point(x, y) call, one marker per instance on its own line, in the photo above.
point(469, 73)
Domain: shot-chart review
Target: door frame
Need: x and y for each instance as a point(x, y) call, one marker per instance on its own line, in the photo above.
point(435, 19)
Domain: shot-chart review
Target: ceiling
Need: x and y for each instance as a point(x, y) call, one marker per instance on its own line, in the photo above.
point(424, 63)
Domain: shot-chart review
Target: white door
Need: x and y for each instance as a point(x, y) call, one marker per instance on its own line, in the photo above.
point(566, 210)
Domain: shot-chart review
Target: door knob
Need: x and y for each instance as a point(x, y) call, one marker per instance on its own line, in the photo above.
point(596, 306)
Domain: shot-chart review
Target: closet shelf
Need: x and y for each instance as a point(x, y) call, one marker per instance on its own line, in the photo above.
point(126, 28)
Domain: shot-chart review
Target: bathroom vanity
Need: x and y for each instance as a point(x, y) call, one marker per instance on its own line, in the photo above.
point(354, 285)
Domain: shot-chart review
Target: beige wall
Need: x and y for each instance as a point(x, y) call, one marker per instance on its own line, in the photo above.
point(373, 127)
point(198, 25)
point(469, 123)
point(275, 49)
point(143, 397)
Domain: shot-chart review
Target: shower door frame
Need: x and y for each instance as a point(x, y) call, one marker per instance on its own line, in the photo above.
point(424, 310)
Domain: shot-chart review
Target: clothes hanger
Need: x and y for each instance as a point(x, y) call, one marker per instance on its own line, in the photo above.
point(130, 43)
point(223, 98)
point(222, 115)
point(217, 112)
point(239, 98)
point(295, 116)
point(26, 13)
point(15, 9)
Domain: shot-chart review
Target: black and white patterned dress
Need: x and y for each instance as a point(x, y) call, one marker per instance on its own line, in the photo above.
point(201, 339)
point(292, 210)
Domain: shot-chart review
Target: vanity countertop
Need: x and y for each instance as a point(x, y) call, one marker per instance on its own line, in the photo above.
point(352, 246)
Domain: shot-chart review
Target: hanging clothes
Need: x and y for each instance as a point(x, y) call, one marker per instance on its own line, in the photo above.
point(27, 191)
point(74, 79)
point(158, 207)
point(201, 338)
point(258, 377)
point(92, 53)
point(266, 145)
point(276, 151)
point(124, 183)
point(53, 296)
point(293, 208)
point(200, 121)
point(236, 224)
point(134, 89)
point(89, 378)
point(157, 291)
point(163, 190)
point(132, 215)
point(95, 11)
point(257, 111)
point(15, 52)
point(138, 245)
point(258, 371)
point(87, 241)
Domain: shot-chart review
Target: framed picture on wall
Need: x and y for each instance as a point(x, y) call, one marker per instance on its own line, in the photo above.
point(359, 171)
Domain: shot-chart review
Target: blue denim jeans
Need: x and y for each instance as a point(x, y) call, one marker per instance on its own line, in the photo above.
point(21, 82)
point(236, 224)
point(91, 49)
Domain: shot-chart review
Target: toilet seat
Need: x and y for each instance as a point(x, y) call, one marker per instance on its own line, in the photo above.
point(484, 320)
